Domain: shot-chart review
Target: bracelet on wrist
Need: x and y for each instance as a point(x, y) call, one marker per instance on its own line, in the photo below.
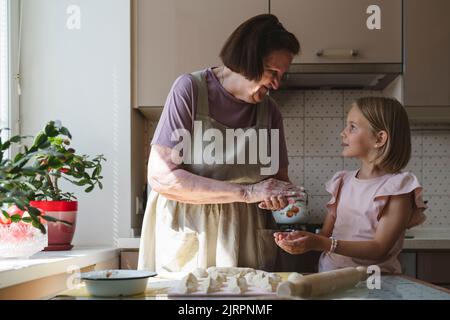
point(334, 244)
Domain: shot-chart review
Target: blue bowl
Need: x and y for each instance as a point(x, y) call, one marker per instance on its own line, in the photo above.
point(294, 213)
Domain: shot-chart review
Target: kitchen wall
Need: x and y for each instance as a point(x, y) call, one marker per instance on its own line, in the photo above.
point(76, 68)
point(313, 121)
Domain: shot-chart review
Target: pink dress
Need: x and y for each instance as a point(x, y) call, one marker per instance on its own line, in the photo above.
point(358, 205)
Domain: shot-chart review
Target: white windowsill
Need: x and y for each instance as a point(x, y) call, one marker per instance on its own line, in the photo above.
point(50, 263)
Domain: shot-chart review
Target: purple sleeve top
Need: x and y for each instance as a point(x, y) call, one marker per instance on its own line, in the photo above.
point(180, 110)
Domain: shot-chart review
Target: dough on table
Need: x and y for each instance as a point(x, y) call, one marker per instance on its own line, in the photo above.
point(294, 276)
point(200, 273)
point(209, 285)
point(188, 284)
point(230, 271)
point(237, 284)
point(266, 281)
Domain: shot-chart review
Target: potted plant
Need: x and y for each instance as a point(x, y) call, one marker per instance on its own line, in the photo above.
point(22, 227)
point(49, 159)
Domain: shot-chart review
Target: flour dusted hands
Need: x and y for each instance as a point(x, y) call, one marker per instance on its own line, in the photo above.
point(272, 192)
point(297, 242)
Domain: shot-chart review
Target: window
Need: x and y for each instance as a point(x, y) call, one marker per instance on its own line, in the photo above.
point(9, 40)
point(4, 68)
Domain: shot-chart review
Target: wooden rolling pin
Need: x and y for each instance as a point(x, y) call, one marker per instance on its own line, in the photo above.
point(322, 283)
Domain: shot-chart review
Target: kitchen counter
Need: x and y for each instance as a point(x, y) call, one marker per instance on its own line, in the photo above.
point(392, 288)
point(51, 270)
point(423, 239)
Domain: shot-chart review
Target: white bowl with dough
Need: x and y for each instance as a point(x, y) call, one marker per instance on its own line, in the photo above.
point(116, 283)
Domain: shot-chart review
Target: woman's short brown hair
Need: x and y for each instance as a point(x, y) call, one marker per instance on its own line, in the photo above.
point(386, 114)
point(247, 47)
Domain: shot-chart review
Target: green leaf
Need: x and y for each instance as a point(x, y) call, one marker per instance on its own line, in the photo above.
point(100, 185)
point(34, 212)
point(83, 182)
point(96, 172)
point(15, 139)
point(40, 139)
point(18, 157)
point(65, 132)
point(20, 204)
point(49, 218)
point(89, 189)
point(50, 129)
point(6, 215)
point(16, 218)
point(45, 145)
point(39, 225)
point(55, 163)
point(5, 146)
point(27, 219)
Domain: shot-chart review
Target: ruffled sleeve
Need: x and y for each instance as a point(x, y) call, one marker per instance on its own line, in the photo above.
point(404, 183)
point(333, 186)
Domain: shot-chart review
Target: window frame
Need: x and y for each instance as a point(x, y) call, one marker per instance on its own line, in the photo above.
point(13, 26)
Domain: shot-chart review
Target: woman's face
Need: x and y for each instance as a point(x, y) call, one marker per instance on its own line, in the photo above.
point(275, 65)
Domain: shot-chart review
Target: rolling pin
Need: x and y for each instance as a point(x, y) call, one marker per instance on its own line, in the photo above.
point(322, 283)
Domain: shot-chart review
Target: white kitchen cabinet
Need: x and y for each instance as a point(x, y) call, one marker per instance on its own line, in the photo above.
point(331, 31)
point(173, 37)
point(427, 55)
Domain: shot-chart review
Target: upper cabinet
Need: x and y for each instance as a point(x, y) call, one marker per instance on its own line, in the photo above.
point(172, 37)
point(427, 53)
point(344, 31)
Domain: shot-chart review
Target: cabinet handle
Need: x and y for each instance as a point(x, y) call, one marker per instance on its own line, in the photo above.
point(337, 53)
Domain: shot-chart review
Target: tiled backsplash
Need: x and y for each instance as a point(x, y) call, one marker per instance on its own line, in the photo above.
point(313, 121)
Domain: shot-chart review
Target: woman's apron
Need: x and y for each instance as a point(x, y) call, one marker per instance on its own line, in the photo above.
point(179, 237)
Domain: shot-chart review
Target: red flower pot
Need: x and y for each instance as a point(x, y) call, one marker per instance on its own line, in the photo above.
point(60, 235)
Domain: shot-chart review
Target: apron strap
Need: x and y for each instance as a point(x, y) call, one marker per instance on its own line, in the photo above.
point(262, 112)
point(202, 92)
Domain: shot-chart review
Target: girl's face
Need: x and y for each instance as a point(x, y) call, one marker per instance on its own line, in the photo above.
point(275, 65)
point(358, 139)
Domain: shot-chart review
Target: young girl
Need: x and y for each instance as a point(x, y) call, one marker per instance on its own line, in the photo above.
point(370, 208)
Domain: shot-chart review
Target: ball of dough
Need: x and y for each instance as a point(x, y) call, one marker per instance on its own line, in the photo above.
point(294, 276)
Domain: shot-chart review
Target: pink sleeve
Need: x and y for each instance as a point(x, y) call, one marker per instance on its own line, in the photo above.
point(404, 183)
point(333, 186)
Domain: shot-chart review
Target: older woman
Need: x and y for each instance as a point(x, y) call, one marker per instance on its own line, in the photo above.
point(201, 212)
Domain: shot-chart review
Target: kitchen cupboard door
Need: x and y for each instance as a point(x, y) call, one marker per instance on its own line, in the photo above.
point(434, 267)
point(182, 36)
point(329, 31)
point(427, 53)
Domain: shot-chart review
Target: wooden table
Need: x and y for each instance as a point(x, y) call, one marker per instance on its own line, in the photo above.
point(393, 287)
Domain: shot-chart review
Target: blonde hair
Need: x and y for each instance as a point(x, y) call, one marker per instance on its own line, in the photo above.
point(386, 114)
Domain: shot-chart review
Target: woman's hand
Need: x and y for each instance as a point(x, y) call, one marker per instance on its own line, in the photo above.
point(273, 192)
point(280, 202)
point(274, 203)
point(297, 242)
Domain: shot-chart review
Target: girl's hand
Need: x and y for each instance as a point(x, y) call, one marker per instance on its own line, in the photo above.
point(297, 242)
